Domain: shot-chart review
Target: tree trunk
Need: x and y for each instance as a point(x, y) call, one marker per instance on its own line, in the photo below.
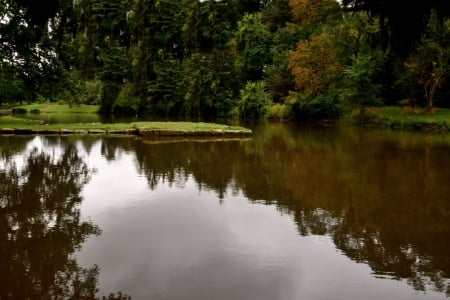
point(433, 85)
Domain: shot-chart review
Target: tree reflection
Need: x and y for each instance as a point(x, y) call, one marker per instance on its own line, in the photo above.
point(382, 199)
point(11, 145)
point(41, 227)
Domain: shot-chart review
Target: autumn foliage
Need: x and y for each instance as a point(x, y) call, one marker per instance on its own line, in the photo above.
point(307, 12)
point(315, 65)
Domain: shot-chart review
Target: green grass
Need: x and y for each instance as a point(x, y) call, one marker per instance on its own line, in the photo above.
point(20, 123)
point(402, 118)
point(418, 115)
point(14, 122)
point(32, 122)
point(7, 106)
point(53, 113)
point(61, 108)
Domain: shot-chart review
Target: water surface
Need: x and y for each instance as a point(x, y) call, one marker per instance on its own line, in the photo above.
point(293, 213)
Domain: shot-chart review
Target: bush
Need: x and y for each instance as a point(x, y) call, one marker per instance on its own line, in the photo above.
point(19, 111)
point(319, 108)
point(92, 93)
point(41, 99)
point(35, 111)
point(279, 112)
point(79, 91)
point(125, 103)
point(254, 100)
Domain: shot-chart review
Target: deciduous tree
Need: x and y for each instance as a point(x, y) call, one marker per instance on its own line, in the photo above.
point(315, 65)
point(401, 22)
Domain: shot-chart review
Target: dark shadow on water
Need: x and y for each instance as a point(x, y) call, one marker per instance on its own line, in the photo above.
point(41, 225)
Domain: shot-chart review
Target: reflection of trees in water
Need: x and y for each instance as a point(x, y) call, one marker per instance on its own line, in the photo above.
point(381, 198)
point(41, 226)
point(388, 258)
point(11, 145)
point(174, 163)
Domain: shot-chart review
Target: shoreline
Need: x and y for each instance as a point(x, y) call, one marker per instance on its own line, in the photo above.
point(140, 132)
point(11, 125)
point(400, 118)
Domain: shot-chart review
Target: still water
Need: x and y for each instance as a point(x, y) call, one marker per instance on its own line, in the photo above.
point(293, 213)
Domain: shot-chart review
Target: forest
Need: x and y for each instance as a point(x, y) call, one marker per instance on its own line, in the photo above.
point(279, 59)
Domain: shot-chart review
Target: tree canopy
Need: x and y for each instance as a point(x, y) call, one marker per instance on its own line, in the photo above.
point(401, 21)
point(198, 58)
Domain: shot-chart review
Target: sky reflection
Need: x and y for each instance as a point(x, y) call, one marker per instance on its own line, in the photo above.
point(180, 242)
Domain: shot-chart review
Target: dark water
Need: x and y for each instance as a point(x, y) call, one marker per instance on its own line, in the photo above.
point(293, 213)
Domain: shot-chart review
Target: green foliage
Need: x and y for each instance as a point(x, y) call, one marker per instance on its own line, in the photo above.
point(401, 28)
point(12, 90)
point(27, 49)
point(126, 103)
point(358, 32)
point(210, 84)
point(278, 79)
point(254, 101)
point(428, 65)
point(109, 95)
point(164, 92)
point(254, 40)
point(207, 24)
point(279, 112)
point(360, 88)
point(323, 107)
point(193, 58)
point(92, 92)
point(313, 14)
point(278, 82)
point(277, 14)
point(79, 91)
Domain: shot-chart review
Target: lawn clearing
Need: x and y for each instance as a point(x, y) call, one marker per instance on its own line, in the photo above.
point(14, 125)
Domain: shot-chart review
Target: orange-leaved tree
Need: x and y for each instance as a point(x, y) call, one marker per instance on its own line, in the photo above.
point(315, 65)
point(309, 12)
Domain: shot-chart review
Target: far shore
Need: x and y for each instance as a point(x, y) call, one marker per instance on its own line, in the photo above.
point(23, 121)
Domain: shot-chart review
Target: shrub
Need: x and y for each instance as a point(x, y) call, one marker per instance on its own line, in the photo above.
point(254, 100)
point(318, 108)
point(19, 111)
point(279, 112)
point(92, 93)
point(35, 111)
point(125, 103)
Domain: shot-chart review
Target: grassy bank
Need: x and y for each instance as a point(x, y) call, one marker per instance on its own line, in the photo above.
point(58, 108)
point(14, 125)
point(24, 121)
point(401, 118)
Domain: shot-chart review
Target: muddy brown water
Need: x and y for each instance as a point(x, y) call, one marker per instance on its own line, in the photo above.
point(292, 213)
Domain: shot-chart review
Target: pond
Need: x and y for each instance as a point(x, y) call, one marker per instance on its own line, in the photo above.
point(292, 213)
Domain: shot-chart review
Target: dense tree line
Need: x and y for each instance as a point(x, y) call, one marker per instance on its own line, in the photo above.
point(299, 59)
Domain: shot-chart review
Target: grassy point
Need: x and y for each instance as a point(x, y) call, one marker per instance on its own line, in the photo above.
point(61, 108)
point(401, 118)
point(11, 124)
